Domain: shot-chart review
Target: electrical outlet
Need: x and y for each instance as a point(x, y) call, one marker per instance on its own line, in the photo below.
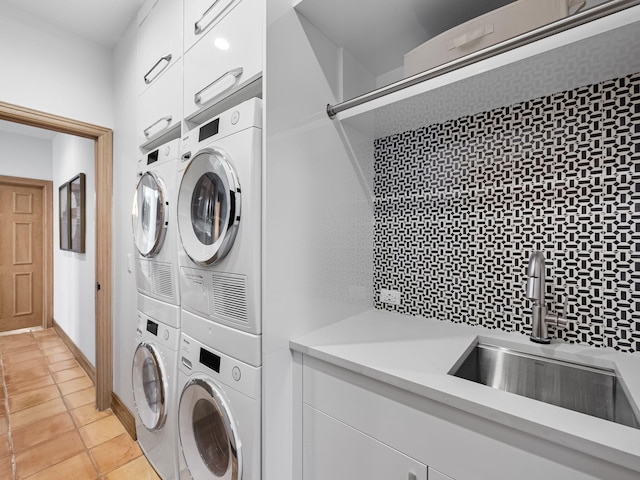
point(390, 296)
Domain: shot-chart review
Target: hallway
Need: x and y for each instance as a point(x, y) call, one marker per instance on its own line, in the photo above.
point(49, 427)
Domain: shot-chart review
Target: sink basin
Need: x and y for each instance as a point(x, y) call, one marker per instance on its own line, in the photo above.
point(591, 390)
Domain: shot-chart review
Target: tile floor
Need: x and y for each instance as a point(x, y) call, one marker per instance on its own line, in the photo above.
point(49, 427)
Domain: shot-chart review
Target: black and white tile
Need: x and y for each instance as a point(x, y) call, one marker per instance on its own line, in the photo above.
point(461, 205)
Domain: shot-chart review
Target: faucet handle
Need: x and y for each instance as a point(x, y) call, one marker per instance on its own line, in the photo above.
point(559, 317)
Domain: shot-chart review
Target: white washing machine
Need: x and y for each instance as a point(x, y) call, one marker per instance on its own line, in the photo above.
point(154, 379)
point(219, 412)
point(219, 218)
point(154, 224)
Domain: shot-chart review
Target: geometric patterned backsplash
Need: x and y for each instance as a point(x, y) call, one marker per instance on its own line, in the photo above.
point(460, 206)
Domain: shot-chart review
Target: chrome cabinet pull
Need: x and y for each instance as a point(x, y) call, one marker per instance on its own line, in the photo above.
point(147, 131)
point(412, 476)
point(204, 22)
point(148, 78)
point(218, 86)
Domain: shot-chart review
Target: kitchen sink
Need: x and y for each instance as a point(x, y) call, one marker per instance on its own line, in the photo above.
point(591, 390)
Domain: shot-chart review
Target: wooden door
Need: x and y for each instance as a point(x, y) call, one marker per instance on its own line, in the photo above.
point(21, 256)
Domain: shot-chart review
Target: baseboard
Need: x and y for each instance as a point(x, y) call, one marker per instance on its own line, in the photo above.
point(82, 360)
point(127, 419)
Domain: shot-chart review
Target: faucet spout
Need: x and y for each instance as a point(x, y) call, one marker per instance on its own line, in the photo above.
point(535, 278)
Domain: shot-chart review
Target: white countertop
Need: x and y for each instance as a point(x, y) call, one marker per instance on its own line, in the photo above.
point(415, 354)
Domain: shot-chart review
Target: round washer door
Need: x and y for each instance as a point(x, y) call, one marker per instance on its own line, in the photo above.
point(149, 386)
point(209, 204)
point(149, 215)
point(208, 435)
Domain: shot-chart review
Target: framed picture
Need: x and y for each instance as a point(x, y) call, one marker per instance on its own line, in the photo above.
point(72, 214)
point(77, 213)
point(63, 193)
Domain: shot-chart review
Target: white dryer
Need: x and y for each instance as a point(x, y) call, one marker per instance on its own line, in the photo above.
point(154, 224)
point(219, 413)
point(154, 379)
point(219, 218)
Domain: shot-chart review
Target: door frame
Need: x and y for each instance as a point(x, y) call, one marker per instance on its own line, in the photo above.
point(103, 140)
point(47, 240)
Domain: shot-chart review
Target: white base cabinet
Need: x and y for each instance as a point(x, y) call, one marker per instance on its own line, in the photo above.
point(336, 451)
point(353, 426)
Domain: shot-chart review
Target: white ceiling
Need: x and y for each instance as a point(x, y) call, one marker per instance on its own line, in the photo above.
point(98, 21)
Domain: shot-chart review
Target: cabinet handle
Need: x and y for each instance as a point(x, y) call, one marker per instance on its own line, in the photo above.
point(147, 131)
point(148, 78)
point(207, 19)
point(412, 476)
point(218, 86)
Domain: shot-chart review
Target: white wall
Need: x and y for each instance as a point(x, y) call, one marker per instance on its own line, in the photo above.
point(51, 71)
point(318, 225)
point(25, 156)
point(74, 273)
point(125, 156)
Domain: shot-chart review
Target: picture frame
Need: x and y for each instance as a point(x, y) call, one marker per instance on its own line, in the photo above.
point(77, 209)
point(63, 195)
point(72, 214)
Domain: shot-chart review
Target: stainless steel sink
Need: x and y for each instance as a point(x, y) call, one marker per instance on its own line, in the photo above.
point(595, 391)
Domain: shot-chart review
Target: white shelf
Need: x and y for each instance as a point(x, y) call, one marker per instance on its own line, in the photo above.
point(602, 49)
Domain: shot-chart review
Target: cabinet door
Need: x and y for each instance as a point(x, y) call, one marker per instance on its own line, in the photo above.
point(159, 42)
point(333, 450)
point(229, 57)
point(201, 15)
point(160, 107)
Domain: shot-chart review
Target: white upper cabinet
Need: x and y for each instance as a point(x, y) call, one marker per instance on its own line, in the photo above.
point(201, 15)
point(159, 41)
point(227, 59)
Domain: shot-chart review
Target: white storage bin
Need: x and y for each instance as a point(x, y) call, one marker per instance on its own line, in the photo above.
point(226, 59)
point(201, 15)
point(160, 106)
point(486, 30)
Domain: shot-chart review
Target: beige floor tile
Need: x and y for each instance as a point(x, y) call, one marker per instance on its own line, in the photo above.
point(34, 433)
point(88, 414)
point(5, 468)
point(59, 357)
point(33, 414)
point(75, 385)
point(20, 357)
point(48, 453)
point(82, 397)
point(79, 467)
point(33, 398)
point(25, 375)
point(114, 453)
point(138, 469)
point(54, 350)
point(48, 332)
point(64, 365)
point(69, 374)
point(101, 431)
point(25, 365)
point(5, 450)
point(3, 409)
point(7, 340)
point(17, 347)
point(4, 425)
point(51, 344)
point(29, 384)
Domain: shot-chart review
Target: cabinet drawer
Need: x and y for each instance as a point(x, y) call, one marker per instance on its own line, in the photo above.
point(334, 450)
point(201, 15)
point(226, 59)
point(486, 30)
point(160, 106)
point(159, 42)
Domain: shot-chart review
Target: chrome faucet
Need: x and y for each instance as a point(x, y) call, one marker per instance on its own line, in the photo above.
point(535, 291)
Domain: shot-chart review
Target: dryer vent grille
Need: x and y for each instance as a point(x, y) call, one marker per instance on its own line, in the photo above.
point(163, 280)
point(230, 298)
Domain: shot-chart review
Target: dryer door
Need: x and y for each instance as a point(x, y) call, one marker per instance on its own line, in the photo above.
point(208, 434)
point(149, 386)
point(149, 215)
point(209, 207)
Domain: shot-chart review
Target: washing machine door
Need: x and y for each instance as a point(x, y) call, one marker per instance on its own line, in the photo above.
point(209, 205)
point(149, 214)
point(208, 434)
point(149, 386)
